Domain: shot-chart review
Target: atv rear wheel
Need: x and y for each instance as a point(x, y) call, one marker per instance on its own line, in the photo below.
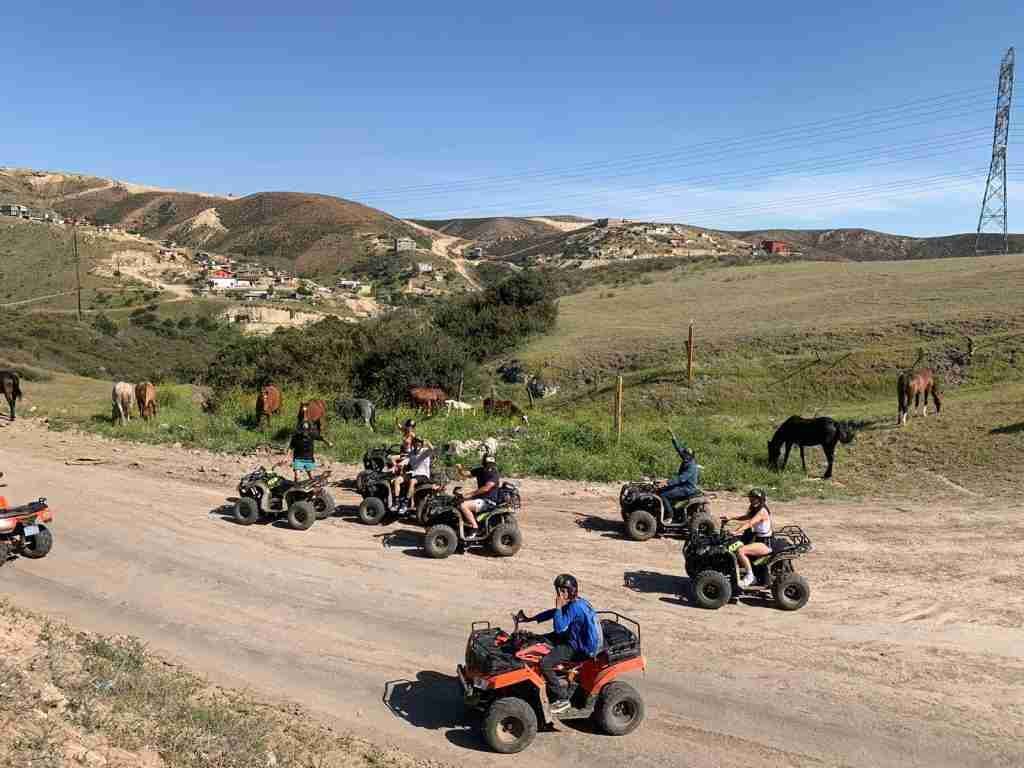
point(711, 589)
point(324, 505)
point(372, 511)
point(702, 523)
point(791, 591)
point(440, 540)
point(301, 515)
point(641, 525)
point(619, 710)
point(510, 725)
point(39, 545)
point(506, 540)
point(247, 511)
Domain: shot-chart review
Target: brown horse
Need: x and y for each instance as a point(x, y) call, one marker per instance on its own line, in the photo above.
point(427, 399)
point(10, 385)
point(915, 384)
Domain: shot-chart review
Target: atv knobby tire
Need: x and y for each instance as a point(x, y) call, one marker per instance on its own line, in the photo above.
point(324, 505)
point(372, 511)
point(506, 540)
point(301, 515)
point(39, 545)
point(702, 523)
point(440, 540)
point(510, 725)
point(247, 511)
point(711, 589)
point(641, 525)
point(791, 591)
point(619, 710)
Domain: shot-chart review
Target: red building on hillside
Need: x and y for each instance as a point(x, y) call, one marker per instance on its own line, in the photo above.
point(775, 246)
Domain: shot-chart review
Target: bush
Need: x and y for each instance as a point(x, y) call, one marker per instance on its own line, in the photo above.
point(104, 325)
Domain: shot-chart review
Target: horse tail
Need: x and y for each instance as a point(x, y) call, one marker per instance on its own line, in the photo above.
point(936, 395)
point(16, 392)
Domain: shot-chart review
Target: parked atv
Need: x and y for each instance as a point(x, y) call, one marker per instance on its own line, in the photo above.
point(22, 531)
point(502, 680)
point(711, 564)
point(645, 513)
point(374, 485)
point(266, 495)
point(499, 528)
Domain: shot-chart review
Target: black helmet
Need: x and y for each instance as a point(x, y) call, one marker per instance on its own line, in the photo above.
point(409, 424)
point(756, 494)
point(567, 582)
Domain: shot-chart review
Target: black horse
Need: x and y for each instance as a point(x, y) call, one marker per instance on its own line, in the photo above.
point(821, 431)
point(357, 409)
point(11, 387)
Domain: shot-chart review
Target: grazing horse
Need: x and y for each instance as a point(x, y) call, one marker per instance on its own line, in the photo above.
point(268, 402)
point(145, 398)
point(494, 407)
point(457, 405)
point(427, 398)
point(821, 431)
point(315, 412)
point(915, 384)
point(11, 386)
point(122, 399)
point(357, 409)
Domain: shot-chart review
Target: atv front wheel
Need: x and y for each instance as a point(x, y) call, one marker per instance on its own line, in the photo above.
point(791, 591)
point(39, 545)
point(641, 525)
point(506, 540)
point(440, 540)
point(301, 515)
point(510, 725)
point(247, 511)
point(711, 589)
point(324, 505)
point(372, 511)
point(619, 710)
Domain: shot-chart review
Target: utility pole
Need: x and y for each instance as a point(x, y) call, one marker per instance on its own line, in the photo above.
point(992, 219)
point(78, 272)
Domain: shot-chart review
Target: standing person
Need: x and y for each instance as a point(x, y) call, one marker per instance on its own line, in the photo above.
point(488, 483)
point(302, 448)
point(759, 533)
point(684, 484)
point(577, 636)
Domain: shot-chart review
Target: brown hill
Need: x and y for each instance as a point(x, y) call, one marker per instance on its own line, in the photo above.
point(851, 244)
point(489, 231)
point(43, 189)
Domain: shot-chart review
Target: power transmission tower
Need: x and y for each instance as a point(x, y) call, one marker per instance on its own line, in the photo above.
point(993, 204)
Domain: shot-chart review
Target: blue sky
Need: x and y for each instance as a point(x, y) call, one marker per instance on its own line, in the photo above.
point(731, 115)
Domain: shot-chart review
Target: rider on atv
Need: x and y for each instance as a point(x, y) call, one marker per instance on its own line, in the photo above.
point(577, 636)
point(488, 485)
point(684, 484)
point(758, 533)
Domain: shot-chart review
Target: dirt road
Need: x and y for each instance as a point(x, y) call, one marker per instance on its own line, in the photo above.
point(910, 652)
point(451, 248)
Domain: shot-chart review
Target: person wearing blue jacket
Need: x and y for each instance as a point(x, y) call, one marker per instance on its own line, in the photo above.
point(685, 483)
point(577, 636)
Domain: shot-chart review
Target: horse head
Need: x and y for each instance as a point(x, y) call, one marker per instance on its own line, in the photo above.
point(774, 449)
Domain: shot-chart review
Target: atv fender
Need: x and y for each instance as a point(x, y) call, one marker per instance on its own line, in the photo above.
point(261, 492)
point(594, 678)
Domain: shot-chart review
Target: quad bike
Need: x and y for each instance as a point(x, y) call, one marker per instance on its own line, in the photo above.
point(266, 495)
point(711, 564)
point(22, 531)
point(502, 680)
point(373, 483)
point(499, 528)
point(645, 513)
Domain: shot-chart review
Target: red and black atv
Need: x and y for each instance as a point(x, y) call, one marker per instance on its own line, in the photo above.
point(503, 681)
point(22, 531)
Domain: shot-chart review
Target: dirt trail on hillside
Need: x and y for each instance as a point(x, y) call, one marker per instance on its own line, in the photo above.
point(910, 652)
point(450, 248)
point(143, 266)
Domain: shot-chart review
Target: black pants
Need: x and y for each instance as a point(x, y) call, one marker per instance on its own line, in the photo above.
point(561, 652)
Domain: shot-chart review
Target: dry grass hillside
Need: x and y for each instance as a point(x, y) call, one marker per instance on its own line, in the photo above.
point(497, 229)
point(43, 188)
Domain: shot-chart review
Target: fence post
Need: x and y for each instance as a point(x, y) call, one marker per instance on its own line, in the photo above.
point(689, 355)
point(462, 380)
point(618, 409)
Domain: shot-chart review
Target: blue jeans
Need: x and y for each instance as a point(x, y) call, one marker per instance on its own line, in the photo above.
point(676, 494)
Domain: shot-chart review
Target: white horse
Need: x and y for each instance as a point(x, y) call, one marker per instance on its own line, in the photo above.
point(457, 405)
point(123, 400)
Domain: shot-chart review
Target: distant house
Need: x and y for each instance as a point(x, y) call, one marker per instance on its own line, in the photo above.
point(221, 274)
point(611, 223)
point(424, 267)
point(775, 246)
point(404, 244)
point(350, 285)
point(222, 283)
point(475, 252)
point(13, 209)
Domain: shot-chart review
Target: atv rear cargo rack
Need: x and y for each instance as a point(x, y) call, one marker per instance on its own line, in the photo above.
point(620, 641)
point(798, 540)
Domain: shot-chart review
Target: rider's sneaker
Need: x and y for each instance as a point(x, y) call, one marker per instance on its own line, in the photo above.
point(747, 579)
point(562, 705)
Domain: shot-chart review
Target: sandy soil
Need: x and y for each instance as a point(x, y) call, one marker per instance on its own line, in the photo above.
point(565, 226)
point(910, 652)
point(143, 266)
